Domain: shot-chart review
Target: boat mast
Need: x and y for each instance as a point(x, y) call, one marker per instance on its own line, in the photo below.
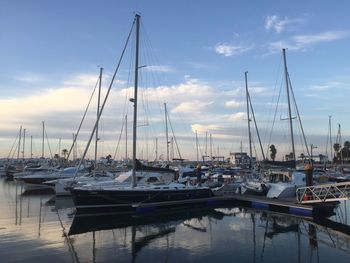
point(137, 17)
point(59, 147)
point(248, 115)
point(330, 136)
point(156, 149)
point(31, 146)
point(24, 142)
point(42, 145)
point(126, 138)
point(166, 132)
point(211, 147)
point(19, 142)
point(289, 107)
point(197, 145)
point(98, 113)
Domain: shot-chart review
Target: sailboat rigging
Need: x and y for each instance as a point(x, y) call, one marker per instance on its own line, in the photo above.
point(291, 163)
point(116, 197)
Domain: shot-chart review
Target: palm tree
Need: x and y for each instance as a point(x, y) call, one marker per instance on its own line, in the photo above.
point(64, 153)
point(273, 152)
point(345, 152)
point(336, 147)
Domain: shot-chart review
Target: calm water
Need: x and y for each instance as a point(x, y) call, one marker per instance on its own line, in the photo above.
point(35, 228)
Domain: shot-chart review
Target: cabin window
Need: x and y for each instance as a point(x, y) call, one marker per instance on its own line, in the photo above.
point(152, 180)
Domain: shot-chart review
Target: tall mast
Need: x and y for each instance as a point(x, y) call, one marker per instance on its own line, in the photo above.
point(24, 142)
point(98, 113)
point(206, 143)
point(172, 148)
point(137, 17)
point(126, 137)
point(156, 149)
point(166, 132)
point(19, 142)
point(289, 106)
point(31, 146)
point(197, 144)
point(330, 136)
point(59, 147)
point(211, 148)
point(248, 115)
point(42, 144)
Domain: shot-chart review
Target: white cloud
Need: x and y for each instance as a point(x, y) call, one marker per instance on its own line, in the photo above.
point(229, 50)
point(232, 104)
point(327, 36)
point(320, 87)
point(275, 22)
point(159, 68)
point(30, 78)
point(82, 80)
point(62, 105)
point(327, 86)
point(239, 116)
point(301, 42)
point(202, 129)
point(191, 107)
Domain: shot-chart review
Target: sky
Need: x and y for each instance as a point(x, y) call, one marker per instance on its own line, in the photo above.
point(193, 55)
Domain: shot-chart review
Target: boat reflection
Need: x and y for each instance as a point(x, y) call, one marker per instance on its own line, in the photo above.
point(83, 223)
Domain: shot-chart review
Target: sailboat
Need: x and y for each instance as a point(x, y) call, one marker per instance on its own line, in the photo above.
point(132, 198)
point(282, 189)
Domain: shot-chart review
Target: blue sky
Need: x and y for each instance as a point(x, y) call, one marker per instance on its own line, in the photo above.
point(197, 55)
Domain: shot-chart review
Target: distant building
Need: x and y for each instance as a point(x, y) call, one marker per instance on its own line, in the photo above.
point(241, 159)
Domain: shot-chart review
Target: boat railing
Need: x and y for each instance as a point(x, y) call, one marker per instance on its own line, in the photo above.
point(323, 193)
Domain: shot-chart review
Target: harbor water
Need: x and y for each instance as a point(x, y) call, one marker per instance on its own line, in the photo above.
point(36, 227)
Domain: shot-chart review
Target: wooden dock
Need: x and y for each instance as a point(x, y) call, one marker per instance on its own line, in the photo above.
point(255, 202)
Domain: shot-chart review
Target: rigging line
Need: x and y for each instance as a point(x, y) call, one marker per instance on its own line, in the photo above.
point(154, 61)
point(120, 136)
point(125, 108)
point(82, 120)
point(274, 91)
point(14, 143)
point(105, 99)
point(48, 143)
point(274, 119)
point(256, 126)
point(172, 130)
point(14, 152)
point(299, 119)
point(71, 248)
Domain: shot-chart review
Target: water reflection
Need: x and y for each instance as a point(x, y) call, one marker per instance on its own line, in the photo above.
point(32, 223)
point(262, 227)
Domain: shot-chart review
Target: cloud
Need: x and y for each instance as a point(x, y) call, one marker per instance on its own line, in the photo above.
point(327, 36)
point(61, 106)
point(191, 107)
point(239, 116)
point(82, 80)
point(229, 50)
point(198, 65)
point(320, 87)
point(159, 68)
point(202, 129)
point(327, 86)
point(232, 104)
point(301, 42)
point(30, 78)
point(278, 24)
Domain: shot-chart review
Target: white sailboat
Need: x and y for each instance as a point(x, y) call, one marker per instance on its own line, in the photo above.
point(126, 198)
point(287, 188)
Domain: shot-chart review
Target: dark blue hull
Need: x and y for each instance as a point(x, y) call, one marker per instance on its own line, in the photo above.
point(97, 201)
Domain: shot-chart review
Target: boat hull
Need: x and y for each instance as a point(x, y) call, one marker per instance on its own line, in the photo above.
point(96, 201)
